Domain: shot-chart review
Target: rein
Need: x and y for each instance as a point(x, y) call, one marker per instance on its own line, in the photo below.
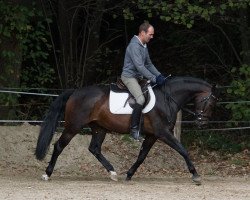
point(167, 99)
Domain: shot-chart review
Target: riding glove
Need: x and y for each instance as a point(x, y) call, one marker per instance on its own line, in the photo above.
point(160, 80)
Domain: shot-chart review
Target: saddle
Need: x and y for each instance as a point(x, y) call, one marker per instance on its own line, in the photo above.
point(119, 87)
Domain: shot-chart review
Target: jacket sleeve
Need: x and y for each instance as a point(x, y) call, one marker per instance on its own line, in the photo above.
point(138, 61)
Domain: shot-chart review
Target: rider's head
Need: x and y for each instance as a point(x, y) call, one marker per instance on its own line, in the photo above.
point(146, 32)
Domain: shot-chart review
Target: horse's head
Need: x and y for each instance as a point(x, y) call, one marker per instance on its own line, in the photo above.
point(204, 103)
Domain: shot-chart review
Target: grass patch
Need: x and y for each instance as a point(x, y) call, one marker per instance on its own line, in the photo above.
point(134, 144)
point(216, 141)
point(239, 162)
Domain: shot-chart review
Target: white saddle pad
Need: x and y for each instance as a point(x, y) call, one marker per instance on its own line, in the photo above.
point(117, 102)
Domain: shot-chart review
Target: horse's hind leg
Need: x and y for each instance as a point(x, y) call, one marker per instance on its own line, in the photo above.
point(98, 136)
point(62, 142)
point(146, 146)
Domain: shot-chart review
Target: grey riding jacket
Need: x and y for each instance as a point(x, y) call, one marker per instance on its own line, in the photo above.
point(137, 62)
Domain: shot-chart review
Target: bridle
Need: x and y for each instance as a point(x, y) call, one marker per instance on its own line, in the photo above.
point(200, 115)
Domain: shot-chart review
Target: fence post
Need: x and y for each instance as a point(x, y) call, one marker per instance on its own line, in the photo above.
point(177, 127)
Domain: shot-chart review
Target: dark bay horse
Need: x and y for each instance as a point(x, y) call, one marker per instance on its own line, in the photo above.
point(90, 106)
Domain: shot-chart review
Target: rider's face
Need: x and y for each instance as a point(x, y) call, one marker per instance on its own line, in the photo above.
point(147, 36)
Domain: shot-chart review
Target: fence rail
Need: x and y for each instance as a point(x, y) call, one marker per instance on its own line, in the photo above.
point(177, 129)
point(55, 95)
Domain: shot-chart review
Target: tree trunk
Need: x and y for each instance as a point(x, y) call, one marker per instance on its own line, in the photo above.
point(94, 42)
point(79, 26)
point(68, 26)
point(10, 78)
point(245, 32)
point(10, 68)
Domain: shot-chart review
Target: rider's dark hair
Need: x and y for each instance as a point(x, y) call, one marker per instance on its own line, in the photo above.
point(144, 27)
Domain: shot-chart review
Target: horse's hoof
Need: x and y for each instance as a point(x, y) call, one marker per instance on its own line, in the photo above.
point(113, 176)
point(45, 177)
point(128, 178)
point(197, 179)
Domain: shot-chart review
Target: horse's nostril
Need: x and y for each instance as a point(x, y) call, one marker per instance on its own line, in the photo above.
point(201, 123)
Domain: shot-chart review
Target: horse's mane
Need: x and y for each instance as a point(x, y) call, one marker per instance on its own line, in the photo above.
point(187, 79)
point(179, 82)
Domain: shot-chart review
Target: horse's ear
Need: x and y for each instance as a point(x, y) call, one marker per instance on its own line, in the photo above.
point(215, 91)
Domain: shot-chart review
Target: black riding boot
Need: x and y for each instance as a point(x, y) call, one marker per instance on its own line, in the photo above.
point(135, 122)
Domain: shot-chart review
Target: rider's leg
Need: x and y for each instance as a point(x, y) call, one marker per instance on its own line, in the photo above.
point(135, 89)
point(135, 122)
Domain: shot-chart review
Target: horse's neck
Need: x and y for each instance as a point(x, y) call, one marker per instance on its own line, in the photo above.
point(177, 93)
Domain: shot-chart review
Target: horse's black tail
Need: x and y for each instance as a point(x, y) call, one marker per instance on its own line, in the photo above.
point(50, 124)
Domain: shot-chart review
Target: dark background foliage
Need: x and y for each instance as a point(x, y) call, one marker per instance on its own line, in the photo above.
point(52, 45)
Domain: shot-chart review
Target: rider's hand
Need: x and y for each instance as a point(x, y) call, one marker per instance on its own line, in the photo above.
point(160, 80)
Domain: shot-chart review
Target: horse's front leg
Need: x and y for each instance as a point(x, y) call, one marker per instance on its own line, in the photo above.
point(98, 136)
point(145, 148)
point(167, 137)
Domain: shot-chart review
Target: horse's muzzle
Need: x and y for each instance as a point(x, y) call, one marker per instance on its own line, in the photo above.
point(201, 122)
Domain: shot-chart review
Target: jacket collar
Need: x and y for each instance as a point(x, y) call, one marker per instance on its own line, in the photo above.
point(137, 39)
